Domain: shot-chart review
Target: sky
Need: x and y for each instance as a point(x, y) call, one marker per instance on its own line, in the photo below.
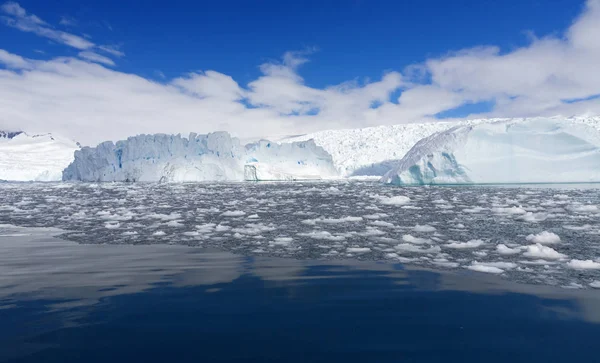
point(106, 70)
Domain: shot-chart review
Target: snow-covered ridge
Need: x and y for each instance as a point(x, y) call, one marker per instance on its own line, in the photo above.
point(375, 150)
point(212, 157)
point(509, 151)
point(30, 157)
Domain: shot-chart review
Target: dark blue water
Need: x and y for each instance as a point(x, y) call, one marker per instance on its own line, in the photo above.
point(63, 302)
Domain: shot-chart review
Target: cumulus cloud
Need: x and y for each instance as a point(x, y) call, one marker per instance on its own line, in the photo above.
point(91, 102)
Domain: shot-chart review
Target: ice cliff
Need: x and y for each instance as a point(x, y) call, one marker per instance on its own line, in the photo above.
point(510, 151)
point(212, 157)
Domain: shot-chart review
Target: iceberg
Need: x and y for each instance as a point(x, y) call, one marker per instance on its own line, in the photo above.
point(511, 151)
point(34, 157)
point(213, 157)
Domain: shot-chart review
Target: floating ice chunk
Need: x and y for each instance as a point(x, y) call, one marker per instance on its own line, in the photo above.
point(383, 224)
point(509, 211)
point(358, 250)
point(414, 240)
point(533, 217)
point(424, 228)
point(486, 269)
point(129, 233)
point(159, 233)
point(375, 216)
point(252, 216)
point(499, 264)
point(538, 262)
point(578, 228)
point(397, 200)
point(234, 213)
point(445, 263)
point(474, 243)
point(370, 231)
point(583, 265)
point(412, 248)
point(165, 217)
point(222, 228)
point(540, 251)
point(474, 210)
point(322, 235)
point(253, 228)
point(595, 284)
point(176, 224)
point(282, 241)
point(544, 238)
point(460, 226)
point(339, 220)
point(112, 225)
point(480, 253)
point(584, 208)
point(504, 250)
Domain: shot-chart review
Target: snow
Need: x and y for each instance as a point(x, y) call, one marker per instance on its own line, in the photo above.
point(537, 150)
point(544, 238)
point(25, 157)
point(212, 157)
point(583, 265)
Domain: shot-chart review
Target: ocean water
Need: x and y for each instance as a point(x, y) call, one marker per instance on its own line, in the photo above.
point(318, 272)
point(65, 302)
point(535, 235)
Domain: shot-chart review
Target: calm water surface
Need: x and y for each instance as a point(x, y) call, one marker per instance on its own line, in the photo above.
point(65, 302)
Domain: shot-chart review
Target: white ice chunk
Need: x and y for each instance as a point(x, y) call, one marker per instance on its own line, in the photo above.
point(544, 238)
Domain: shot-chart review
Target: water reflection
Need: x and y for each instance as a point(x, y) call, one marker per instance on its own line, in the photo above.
point(61, 301)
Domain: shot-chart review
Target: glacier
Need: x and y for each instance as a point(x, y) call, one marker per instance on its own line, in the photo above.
point(376, 150)
point(34, 157)
point(536, 150)
point(212, 157)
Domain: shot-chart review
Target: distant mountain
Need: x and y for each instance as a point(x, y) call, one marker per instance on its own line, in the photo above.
point(9, 134)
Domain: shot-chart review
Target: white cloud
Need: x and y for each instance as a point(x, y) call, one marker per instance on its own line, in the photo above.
point(95, 57)
point(67, 21)
point(13, 60)
point(90, 102)
point(18, 18)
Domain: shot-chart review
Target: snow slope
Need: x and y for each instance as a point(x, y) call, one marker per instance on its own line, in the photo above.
point(511, 151)
point(25, 157)
point(211, 157)
point(375, 150)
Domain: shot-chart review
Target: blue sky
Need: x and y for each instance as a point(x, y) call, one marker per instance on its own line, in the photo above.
point(345, 45)
point(354, 38)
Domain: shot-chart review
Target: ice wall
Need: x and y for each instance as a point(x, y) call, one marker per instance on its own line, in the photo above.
point(212, 157)
point(514, 151)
